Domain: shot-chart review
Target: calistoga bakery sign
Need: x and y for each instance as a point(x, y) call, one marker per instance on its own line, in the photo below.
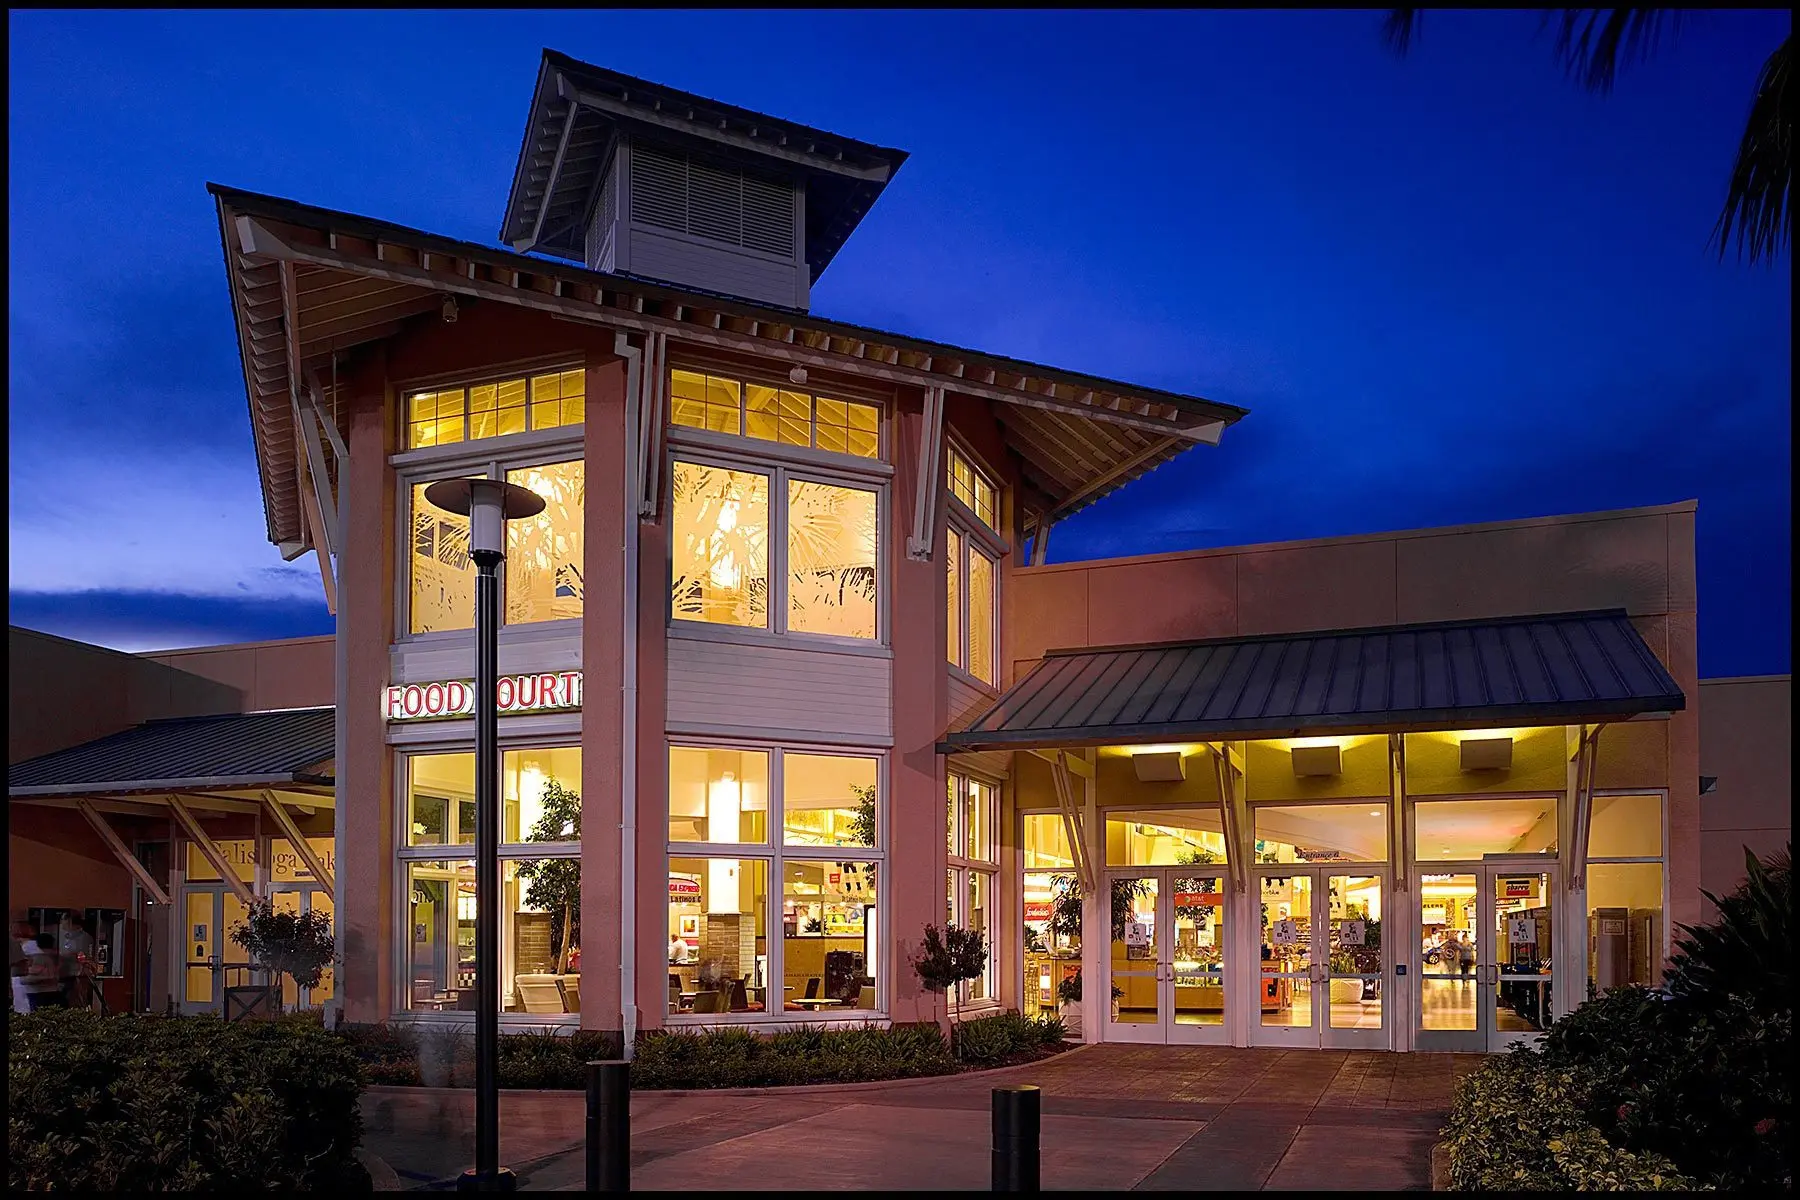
point(456, 697)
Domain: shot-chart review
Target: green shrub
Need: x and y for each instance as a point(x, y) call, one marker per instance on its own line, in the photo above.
point(1520, 1124)
point(1748, 950)
point(141, 1104)
point(739, 1058)
point(1696, 1079)
point(1003, 1036)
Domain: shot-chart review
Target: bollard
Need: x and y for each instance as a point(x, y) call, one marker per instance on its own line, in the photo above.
point(609, 1126)
point(1016, 1139)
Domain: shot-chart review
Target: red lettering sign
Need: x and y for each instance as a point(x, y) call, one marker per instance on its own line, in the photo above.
point(547, 692)
point(1037, 910)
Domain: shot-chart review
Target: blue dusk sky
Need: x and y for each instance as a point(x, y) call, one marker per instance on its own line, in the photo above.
point(1450, 288)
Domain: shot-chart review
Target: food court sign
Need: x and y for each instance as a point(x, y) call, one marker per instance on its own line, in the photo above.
point(456, 697)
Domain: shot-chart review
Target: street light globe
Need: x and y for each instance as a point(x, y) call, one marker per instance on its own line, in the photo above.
point(489, 504)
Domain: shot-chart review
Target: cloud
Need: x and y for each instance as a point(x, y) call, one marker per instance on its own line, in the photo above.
point(135, 621)
point(184, 522)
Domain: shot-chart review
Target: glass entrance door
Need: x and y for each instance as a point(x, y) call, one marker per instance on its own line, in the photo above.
point(1485, 933)
point(211, 956)
point(1166, 960)
point(1322, 962)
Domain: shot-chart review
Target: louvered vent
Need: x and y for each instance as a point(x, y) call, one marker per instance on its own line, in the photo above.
point(673, 192)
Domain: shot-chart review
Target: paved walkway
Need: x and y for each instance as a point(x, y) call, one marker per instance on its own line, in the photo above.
point(1152, 1118)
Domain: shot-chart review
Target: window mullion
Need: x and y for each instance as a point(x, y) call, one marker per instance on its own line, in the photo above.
point(779, 523)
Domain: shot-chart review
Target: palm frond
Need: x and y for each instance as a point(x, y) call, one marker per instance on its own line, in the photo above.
point(1399, 29)
point(1592, 43)
point(1756, 214)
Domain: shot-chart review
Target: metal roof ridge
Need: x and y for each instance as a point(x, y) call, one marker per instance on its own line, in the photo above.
point(377, 227)
point(1346, 631)
point(565, 62)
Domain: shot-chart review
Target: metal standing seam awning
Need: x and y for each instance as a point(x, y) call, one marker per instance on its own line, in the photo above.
point(1552, 669)
point(238, 762)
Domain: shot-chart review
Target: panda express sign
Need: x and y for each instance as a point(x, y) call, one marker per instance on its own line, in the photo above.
point(456, 697)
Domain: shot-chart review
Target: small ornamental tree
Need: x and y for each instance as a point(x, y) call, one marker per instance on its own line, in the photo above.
point(862, 825)
point(285, 942)
point(553, 885)
point(949, 956)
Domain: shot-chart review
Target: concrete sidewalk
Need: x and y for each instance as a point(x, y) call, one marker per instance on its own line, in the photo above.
point(1115, 1117)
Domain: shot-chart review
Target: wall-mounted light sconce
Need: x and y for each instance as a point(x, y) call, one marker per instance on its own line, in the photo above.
point(1487, 754)
point(1160, 766)
point(1318, 760)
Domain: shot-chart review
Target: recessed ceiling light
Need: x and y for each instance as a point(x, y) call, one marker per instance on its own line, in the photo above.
point(1374, 812)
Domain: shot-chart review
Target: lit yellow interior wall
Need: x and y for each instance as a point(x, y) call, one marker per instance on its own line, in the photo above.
point(1624, 885)
point(1270, 769)
point(1633, 754)
point(1032, 784)
point(1434, 763)
point(1119, 784)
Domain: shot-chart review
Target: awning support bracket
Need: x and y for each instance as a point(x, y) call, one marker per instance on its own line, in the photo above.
point(925, 497)
point(285, 822)
point(123, 853)
point(1583, 760)
point(1228, 762)
point(1072, 824)
point(208, 849)
point(651, 397)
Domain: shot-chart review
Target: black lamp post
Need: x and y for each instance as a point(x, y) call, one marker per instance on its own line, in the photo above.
point(489, 504)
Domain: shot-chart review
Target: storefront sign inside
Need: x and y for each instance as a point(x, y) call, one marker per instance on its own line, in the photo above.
point(1520, 888)
point(456, 697)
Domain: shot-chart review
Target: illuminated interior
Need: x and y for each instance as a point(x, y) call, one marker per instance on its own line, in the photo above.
point(1355, 832)
point(1171, 837)
point(719, 552)
point(441, 795)
point(828, 800)
point(1469, 829)
point(968, 484)
point(788, 416)
point(832, 568)
point(718, 795)
point(544, 561)
point(495, 409)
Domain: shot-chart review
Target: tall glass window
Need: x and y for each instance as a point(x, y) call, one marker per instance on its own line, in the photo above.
point(545, 559)
point(786, 415)
point(540, 917)
point(974, 871)
point(1625, 884)
point(767, 926)
point(1052, 912)
point(731, 548)
point(971, 580)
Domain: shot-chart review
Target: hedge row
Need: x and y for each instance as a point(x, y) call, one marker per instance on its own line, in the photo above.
point(421, 1055)
point(143, 1104)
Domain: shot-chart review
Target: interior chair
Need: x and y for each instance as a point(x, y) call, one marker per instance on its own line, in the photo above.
point(709, 1002)
point(867, 998)
point(571, 992)
point(674, 992)
point(740, 997)
point(812, 988)
point(539, 994)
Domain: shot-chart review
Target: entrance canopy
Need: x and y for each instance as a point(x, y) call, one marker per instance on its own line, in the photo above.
point(1563, 668)
point(259, 763)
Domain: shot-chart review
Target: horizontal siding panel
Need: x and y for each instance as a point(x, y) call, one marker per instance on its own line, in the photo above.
point(779, 689)
point(424, 663)
point(725, 269)
point(967, 702)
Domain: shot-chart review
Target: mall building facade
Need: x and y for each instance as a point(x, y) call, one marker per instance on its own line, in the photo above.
point(1407, 790)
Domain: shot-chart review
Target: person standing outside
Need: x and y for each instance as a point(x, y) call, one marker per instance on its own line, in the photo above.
point(75, 956)
point(20, 965)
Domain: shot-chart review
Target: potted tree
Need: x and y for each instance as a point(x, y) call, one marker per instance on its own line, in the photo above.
point(947, 957)
point(284, 942)
point(553, 885)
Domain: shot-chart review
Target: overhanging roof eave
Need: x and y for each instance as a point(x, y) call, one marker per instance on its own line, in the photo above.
point(1420, 721)
point(203, 783)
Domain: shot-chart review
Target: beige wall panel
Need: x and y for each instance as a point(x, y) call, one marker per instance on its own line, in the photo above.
point(1619, 562)
point(1046, 610)
point(1322, 586)
point(1163, 600)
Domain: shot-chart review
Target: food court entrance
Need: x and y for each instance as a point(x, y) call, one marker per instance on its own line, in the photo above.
point(1323, 972)
point(1485, 953)
point(1168, 950)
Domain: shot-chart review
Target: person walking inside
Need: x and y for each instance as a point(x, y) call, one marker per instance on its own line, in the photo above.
point(43, 975)
point(75, 954)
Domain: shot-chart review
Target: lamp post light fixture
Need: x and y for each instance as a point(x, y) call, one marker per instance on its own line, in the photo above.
point(489, 504)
